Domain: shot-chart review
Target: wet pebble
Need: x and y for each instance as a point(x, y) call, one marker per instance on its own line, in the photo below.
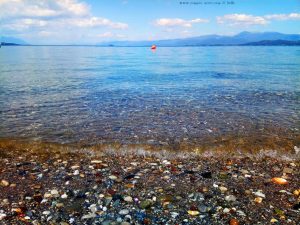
point(128, 199)
point(124, 212)
point(230, 198)
point(4, 183)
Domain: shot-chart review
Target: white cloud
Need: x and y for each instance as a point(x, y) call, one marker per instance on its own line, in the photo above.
point(42, 8)
point(110, 35)
point(21, 15)
point(246, 20)
point(95, 22)
point(89, 22)
point(24, 24)
point(45, 33)
point(291, 16)
point(241, 19)
point(172, 22)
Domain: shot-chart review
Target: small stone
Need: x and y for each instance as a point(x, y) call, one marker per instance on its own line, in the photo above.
point(64, 196)
point(128, 199)
point(75, 167)
point(223, 189)
point(273, 220)
point(46, 213)
point(125, 223)
point(248, 192)
point(244, 171)
point(258, 200)
point(193, 212)
point(76, 173)
point(166, 177)
point(101, 196)
point(2, 216)
point(89, 216)
point(203, 208)
point(234, 222)
point(112, 177)
point(296, 192)
point(259, 194)
point(279, 180)
point(124, 212)
point(63, 223)
point(240, 213)
point(215, 185)
point(207, 174)
point(297, 150)
point(166, 162)
point(96, 162)
point(287, 170)
point(93, 208)
point(4, 183)
point(59, 205)
point(278, 212)
point(223, 175)
point(17, 210)
point(47, 195)
point(129, 185)
point(205, 189)
point(226, 210)
point(54, 193)
point(37, 197)
point(174, 214)
point(108, 200)
point(230, 198)
point(146, 204)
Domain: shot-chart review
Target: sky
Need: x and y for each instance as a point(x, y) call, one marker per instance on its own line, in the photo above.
point(96, 21)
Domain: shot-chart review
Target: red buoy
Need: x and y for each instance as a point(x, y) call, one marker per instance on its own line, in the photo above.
point(153, 47)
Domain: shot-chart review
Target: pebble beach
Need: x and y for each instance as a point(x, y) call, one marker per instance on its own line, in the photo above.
point(56, 186)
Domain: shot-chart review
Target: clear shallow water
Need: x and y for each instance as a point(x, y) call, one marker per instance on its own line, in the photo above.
point(170, 97)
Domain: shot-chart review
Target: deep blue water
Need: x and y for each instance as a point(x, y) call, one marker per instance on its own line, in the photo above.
point(135, 95)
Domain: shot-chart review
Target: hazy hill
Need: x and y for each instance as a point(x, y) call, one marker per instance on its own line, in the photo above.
point(274, 43)
point(239, 39)
point(12, 40)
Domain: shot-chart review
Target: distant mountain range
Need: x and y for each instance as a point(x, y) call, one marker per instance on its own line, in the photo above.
point(241, 39)
point(274, 43)
point(12, 40)
point(9, 44)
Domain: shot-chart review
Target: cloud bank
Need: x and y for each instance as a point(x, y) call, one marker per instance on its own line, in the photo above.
point(46, 17)
point(247, 20)
point(172, 22)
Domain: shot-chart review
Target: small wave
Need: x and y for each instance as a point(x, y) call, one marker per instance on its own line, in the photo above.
point(11, 146)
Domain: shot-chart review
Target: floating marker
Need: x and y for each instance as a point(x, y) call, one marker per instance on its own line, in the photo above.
point(153, 47)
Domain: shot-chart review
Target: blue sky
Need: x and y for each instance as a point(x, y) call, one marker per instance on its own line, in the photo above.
point(94, 21)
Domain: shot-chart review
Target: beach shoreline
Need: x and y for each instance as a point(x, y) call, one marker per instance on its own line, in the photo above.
point(55, 184)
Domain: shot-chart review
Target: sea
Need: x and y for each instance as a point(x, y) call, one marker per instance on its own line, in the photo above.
point(176, 98)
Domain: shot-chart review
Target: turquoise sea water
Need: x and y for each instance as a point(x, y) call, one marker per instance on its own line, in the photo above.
point(135, 95)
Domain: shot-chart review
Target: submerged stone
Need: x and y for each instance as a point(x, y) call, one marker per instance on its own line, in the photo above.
point(146, 204)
